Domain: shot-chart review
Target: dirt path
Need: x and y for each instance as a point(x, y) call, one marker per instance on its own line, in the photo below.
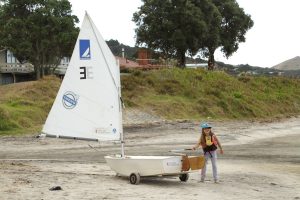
point(261, 161)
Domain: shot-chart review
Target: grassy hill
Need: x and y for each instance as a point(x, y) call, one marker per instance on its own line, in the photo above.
point(170, 93)
point(198, 94)
point(24, 106)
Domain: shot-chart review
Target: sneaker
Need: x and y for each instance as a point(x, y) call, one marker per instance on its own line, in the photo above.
point(217, 181)
point(201, 181)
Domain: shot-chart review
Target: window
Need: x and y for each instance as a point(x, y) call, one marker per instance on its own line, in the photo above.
point(65, 61)
point(10, 58)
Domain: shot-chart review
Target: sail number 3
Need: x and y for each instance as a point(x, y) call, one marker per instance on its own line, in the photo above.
point(86, 72)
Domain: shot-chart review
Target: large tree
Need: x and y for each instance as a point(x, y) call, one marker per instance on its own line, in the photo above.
point(38, 31)
point(226, 33)
point(173, 27)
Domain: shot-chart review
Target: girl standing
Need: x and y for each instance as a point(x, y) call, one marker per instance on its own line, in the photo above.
point(209, 143)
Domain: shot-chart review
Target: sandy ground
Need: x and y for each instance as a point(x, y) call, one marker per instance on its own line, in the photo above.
point(261, 161)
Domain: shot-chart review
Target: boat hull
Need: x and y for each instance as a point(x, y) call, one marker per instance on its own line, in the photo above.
point(145, 165)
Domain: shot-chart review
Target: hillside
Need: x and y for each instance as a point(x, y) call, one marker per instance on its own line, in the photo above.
point(24, 106)
point(193, 94)
point(291, 64)
point(199, 94)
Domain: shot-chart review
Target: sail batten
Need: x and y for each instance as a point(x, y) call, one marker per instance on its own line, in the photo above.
point(87, 105)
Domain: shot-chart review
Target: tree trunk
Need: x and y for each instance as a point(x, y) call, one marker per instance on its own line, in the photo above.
point(37, 61)
point(211, 61)
point(37, 72)
point(43, 65)
point(42, 71)
point(182, 59)
point(14, 77)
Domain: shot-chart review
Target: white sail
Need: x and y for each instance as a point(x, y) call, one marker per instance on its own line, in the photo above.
point(87, 105)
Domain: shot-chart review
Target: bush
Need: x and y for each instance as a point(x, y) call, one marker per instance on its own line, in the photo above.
point(170, 87)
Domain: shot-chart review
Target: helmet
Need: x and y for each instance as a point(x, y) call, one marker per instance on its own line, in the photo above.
point(205, 125)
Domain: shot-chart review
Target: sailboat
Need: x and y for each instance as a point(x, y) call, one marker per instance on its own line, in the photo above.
point(88, 106)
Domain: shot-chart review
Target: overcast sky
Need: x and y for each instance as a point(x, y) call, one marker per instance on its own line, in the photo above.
point(274, 38)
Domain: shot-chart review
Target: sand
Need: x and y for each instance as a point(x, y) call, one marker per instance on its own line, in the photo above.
point(260, 161)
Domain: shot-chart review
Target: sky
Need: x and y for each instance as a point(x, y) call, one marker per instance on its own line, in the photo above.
point(274, 38)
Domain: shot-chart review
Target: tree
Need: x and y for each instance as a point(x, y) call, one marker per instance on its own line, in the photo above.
point(226, 33)
point(173, 27)
point(38, 31)
point(116, 48)
point(212, 18)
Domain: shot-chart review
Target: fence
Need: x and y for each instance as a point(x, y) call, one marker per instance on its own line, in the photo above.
point(16, 68)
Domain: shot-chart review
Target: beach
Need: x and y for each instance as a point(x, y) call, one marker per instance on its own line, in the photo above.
point(261, 160)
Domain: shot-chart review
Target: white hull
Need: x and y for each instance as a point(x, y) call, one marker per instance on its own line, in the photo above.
point(145, 165)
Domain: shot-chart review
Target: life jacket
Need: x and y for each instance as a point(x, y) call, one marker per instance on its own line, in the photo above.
point(210, 143)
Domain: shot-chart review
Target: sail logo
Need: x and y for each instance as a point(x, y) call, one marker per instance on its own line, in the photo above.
point(84, 49)
point(69, 100)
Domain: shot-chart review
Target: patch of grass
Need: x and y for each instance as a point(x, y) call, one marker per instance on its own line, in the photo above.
point(5, 123)
point(25, 106)
point(198, 94)
point(171, 93)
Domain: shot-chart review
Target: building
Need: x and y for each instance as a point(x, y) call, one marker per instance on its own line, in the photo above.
point(11, 70)
point(61, 69)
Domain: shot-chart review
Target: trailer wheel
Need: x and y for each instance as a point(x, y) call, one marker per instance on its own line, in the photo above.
point(134, 178)
point(184, 177)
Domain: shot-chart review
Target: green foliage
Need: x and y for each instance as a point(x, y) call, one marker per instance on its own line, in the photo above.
point(172, 27)
point(39, 32)
point(189, 26)
point(116, 48)
point(212, 18)
point(237, 95)
point(227, 23)
point(234, 25)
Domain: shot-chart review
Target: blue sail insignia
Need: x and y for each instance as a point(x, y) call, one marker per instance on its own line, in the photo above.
point(84, 49)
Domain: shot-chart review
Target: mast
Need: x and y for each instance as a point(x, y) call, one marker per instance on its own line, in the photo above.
point(121, 105)
point(118, 87)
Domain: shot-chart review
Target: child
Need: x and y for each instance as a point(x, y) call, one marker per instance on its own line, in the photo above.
point(209, 143)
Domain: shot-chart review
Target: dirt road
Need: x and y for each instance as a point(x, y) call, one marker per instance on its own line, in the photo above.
point(261, 161)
